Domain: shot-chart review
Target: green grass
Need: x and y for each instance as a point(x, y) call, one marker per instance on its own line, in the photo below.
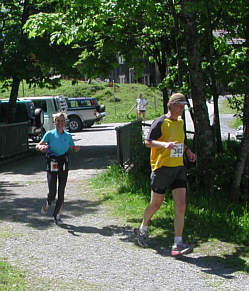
point(118, 102)
point(10, 278)
point(234, 123)
point(218, 228)
point(224, 108)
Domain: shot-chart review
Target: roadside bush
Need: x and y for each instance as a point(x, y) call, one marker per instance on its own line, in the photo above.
point(224, 171)
point(225, 163)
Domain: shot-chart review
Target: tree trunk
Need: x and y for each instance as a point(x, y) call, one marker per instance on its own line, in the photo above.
point(15, 80)
point(244, 149)
point(12, 99)
point(211, 56)
point(216, 124)
point(204, 134)
point(165, 100)
point(245, 181)
point(243, 155)
point(162, 70)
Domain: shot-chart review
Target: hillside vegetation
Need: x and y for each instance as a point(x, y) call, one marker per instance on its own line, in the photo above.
point(118, 100)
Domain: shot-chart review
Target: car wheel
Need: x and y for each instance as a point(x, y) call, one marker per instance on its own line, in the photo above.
point(89, 123)
point(38, 137)
point(74, 124)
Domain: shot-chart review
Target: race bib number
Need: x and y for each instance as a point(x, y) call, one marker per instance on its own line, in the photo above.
point(54, 166)
point(177, 151)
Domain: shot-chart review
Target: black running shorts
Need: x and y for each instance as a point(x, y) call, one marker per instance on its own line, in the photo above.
point(168, 178)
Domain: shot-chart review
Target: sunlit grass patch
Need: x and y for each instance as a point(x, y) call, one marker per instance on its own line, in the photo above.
point(10, 278)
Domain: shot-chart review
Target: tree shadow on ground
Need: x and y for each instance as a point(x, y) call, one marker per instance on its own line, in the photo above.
point(26, 210)
point(215, 265)
point(89, 157)
point(223, 265)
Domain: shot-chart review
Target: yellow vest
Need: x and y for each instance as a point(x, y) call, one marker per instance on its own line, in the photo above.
point(171, 131)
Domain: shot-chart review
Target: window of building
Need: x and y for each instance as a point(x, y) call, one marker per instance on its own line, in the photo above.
point(120, 60)
point(121, 79)
point(147, 79)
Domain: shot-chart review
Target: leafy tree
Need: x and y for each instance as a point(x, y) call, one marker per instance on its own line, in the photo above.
point(132, 28)
point(177, 35)
point(82, 26)
point(25, 59)
point(140, 34)
point(104, 28)
point(204, 133)
point(236, 23)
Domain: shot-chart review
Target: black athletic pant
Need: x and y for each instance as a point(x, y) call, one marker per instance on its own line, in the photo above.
point(61, 177)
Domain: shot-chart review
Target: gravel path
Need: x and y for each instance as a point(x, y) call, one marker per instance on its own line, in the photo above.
point(91, 250)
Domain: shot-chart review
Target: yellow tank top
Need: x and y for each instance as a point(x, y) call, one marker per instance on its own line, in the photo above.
point(170, 131)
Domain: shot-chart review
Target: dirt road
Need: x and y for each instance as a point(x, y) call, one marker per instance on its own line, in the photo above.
point(92, 250)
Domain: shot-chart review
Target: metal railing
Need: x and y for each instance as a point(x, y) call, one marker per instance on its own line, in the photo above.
point(13, 139)
point(129, 143)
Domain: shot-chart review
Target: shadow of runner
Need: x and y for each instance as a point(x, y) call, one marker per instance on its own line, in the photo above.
point(26, 210)
point(110, 230)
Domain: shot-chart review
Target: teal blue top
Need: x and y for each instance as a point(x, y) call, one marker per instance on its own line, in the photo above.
point(58, 144)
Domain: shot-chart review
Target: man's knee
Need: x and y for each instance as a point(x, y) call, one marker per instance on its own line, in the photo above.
point(156, 205)
point(156, 200)
point(180, 207)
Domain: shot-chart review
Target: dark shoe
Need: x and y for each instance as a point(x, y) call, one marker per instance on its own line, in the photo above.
point(142, 238)
point(57, 220)
point(181, 249)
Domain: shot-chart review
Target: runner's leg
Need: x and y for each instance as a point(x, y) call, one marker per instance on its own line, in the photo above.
point(62, 177)
point(155, 203)
point(52, 185)
point(179, 196)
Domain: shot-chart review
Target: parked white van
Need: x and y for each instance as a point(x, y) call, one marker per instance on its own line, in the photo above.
point(49, 105)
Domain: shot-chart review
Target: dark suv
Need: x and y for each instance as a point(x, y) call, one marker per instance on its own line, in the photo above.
point(25, 111)
point(82, 112)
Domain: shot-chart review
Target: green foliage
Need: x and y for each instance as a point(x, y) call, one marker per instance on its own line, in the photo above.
point(35, 61)
point(237, 103)
point(232, 106)
point(79, 25)
point(224, 172)
point(216, 217)
point(225, 108)
point(234, 123)
point(10, 278)
point(225, 164)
